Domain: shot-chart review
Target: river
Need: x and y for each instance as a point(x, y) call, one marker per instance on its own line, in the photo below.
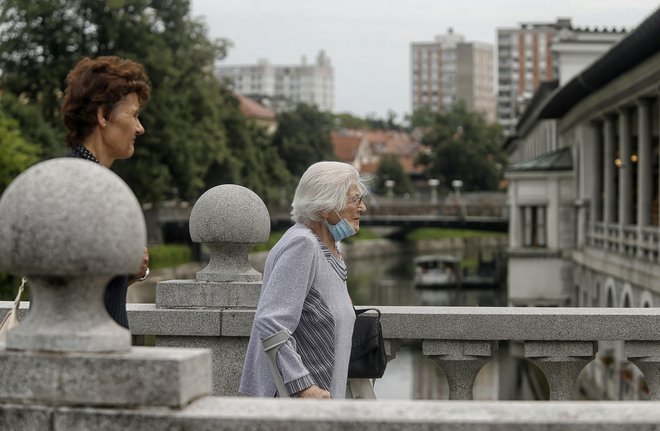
point(388, 280)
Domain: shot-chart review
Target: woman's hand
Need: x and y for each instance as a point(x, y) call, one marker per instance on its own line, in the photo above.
point(314, 392)
point(144, 268)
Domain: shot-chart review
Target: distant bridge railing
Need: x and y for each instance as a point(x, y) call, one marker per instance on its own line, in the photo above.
point(480, 211)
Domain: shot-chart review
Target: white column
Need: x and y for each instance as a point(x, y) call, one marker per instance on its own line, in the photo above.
point(657, 126)
point(625, 171)
point(609, 202)
point(596, 214)
point(515, 229)
point(644, 176)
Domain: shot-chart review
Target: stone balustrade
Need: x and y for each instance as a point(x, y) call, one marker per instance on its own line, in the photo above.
point(560, 341)
point(627, 240)
point(70, 225)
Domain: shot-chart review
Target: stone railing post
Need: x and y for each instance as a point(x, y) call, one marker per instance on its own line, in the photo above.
point(561, 362)
point(460, 361)
point(646, 356)
point(229, 220)
point(70, 225)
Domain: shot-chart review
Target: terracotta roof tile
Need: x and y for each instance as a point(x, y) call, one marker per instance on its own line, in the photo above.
point(345, 146)
point(253, 109)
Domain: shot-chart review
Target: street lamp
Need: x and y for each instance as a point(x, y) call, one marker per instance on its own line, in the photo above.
point(457, 184)
point(390, 188)
point(433, 183)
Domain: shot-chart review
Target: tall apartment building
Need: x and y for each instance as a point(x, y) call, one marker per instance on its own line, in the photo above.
point(529, 54)
point(449, 69)
point(284, 86)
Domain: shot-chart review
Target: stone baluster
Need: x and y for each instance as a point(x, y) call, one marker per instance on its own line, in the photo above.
point(210, 311)
point(392, 347)
point(460, 361)
point(70, 226)
point(561, 362)
point(646, 356)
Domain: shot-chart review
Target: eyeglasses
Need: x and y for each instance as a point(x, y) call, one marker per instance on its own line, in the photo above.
point(355, 200)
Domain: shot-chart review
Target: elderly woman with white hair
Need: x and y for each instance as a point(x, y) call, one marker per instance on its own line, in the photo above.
point(304, 290)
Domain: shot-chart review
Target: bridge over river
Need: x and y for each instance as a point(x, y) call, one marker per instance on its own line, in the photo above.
point(486, 211)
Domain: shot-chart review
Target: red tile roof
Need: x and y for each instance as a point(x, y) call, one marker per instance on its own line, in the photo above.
point(253, 109)
point(345, 146)
point(381, 142)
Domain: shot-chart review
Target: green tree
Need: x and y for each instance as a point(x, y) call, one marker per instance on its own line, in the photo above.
point(303, 137)
point(371, 122)
point(421, 118)
point(345, 120)
point(463, 146)
point(390, 168)
point(16, 153)
point(255, 162)
point(192, 132)
point(33, 126)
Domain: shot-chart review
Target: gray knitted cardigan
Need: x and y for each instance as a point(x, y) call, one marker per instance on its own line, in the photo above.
point(304, 292)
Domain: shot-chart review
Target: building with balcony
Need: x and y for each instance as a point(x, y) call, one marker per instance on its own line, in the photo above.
point(536, 52)
point(584, 189)
point(282, 87)
point(450, 69)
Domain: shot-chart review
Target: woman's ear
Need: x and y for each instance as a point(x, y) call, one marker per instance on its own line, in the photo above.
point(100, 117)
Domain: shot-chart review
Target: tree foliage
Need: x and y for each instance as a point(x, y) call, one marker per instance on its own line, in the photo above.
point(370, 122)
point(464, 146)
point(303, 137)
point(345, 120)
point(33, 126)
point(16, 153)
point(390, 168)
point(195, 136)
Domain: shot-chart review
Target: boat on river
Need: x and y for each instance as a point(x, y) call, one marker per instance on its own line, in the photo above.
point(437, 271)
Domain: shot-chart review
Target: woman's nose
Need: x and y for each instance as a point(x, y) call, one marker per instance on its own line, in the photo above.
point(140, 128)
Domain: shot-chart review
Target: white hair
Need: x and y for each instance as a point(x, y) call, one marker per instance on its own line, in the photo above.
point(323, 188)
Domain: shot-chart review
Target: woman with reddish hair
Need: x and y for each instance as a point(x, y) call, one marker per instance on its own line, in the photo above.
point(102, 102)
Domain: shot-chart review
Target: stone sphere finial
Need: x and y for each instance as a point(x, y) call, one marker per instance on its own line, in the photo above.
point(70, 217)
point(70, 225)
point(230, 220)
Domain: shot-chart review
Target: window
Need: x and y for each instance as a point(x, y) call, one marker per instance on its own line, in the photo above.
point(533, 226)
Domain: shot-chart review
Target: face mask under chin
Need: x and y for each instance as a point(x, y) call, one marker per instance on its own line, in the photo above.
point(341, 230)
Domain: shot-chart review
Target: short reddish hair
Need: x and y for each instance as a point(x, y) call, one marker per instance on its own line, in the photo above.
point(99, 82)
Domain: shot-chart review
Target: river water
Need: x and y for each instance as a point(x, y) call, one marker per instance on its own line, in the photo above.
point(388, 280)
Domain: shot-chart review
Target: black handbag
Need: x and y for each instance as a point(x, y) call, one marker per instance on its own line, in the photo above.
point(368, 358)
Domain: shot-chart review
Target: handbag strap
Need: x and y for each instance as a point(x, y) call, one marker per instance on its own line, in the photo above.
point(363, 310)
point(17, 301)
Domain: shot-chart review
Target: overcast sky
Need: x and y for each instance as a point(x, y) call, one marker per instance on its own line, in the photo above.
point(368, 41)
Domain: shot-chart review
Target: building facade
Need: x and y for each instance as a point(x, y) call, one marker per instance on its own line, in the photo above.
point(282, 87)
point(536, 52)
point(364, 149)
point(584, 194)
point(450, 69)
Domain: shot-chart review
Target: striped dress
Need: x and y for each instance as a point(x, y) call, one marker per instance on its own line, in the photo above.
point(304, 292)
